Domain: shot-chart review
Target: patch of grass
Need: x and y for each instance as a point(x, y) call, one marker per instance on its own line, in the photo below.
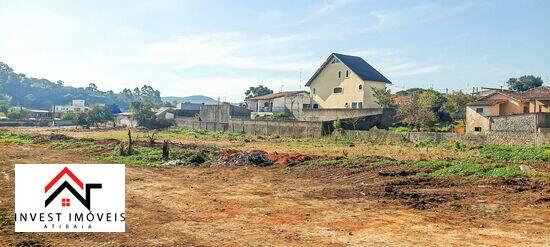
point(142, 156)
point(351, 162)
point(505, 153)
point(15, 139)
point(152, 156)
point(475, 170)
point(427, 163)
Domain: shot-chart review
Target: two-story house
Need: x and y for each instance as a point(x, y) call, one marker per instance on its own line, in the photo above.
point(345, 81)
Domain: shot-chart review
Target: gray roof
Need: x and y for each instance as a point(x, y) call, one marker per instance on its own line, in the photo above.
point(359, 66)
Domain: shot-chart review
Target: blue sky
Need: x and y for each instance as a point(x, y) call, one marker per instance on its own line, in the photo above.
point(219, 48)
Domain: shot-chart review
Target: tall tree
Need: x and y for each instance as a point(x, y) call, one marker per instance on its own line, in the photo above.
point(257, 91)
point(524, 83)
point(142, 112)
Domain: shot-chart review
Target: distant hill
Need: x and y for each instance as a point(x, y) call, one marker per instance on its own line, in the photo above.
point(197, 99)
point(20, 90)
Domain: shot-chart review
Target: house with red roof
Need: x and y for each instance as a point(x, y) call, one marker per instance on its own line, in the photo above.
point(505, 103)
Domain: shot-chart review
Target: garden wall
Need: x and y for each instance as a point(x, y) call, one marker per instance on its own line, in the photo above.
point(260, 127)
point(541, 137)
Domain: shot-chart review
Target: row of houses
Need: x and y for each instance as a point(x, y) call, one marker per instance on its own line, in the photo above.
point(500, 103)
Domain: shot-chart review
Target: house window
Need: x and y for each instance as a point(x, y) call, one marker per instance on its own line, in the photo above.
point(479, 110)
point(360, 105)
point(347, 73)
point(337, 90)
point(266, 104)
point(315, 106)
point(360, 87)
point(339, 74)
point(477, 129)
point(354, 105)
point(346, 105)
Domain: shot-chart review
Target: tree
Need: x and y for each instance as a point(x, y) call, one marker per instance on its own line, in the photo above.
point(524, 83)
point(383, 97)
point(69, 116)
point(92, 87)
point(142, 112)
point(257, 91)
point(99, 114)
point(455, 103)
point(428, 99)
point(16, 113)
point(411, 113)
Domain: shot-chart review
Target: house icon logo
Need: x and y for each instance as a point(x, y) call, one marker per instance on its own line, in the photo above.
point(70, 198)
point(65, 202)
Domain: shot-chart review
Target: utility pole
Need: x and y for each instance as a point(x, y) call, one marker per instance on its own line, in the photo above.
point(301, 79)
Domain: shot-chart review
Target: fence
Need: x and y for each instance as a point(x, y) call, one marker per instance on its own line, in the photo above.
point(261, 127)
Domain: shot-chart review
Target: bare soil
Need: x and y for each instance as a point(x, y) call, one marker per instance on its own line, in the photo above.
point(281, 206)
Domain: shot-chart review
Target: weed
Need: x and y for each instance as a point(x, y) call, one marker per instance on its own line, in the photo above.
point(503, 153)
point(15, 139)
point(471, 169)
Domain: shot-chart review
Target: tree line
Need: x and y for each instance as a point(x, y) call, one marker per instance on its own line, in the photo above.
point(18, 89)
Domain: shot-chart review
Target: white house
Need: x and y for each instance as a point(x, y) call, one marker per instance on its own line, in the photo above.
point(292, 102)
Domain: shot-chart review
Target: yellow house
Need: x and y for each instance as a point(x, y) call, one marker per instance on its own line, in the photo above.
point(345, 81)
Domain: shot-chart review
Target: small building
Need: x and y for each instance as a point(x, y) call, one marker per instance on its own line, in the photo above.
point(505, 103)
point(124, 119)
point(188, 109)
point(166, 113)
point(345, 81)
point(32, 114)
point(76, 105)
point(291, 102)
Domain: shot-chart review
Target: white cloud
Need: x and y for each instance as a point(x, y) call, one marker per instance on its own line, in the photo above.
point(230, 50)
point(414, 16)
point(323, 9)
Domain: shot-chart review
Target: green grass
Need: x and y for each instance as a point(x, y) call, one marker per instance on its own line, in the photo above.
point(504, 153)
point(426, 163)
point(15, 139)
point(475, 170)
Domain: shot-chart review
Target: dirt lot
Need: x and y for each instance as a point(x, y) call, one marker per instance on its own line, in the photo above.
point(281, 206)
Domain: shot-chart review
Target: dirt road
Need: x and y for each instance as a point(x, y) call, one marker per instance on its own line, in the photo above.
point(275, 206)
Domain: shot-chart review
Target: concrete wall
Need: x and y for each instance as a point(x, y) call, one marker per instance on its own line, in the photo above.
point(333, 114)
point(259, 127)
point(222, 113)
point(377, 136)
point(506, 138)
point(323, 85)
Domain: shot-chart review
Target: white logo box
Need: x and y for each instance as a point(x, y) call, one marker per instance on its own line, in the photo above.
point(65, 213)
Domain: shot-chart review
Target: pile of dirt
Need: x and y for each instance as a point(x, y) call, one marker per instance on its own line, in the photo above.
point(237, 158)
point(288, 159)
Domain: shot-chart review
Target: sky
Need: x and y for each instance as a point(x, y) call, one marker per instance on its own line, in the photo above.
point(220, 48)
